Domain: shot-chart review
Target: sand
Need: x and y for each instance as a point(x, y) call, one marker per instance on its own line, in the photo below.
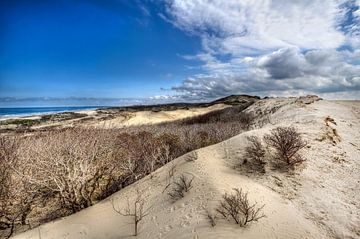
point(150, 117)
point(319, 199)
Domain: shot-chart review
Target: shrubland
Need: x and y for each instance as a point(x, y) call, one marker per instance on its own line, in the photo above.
point(49, 174)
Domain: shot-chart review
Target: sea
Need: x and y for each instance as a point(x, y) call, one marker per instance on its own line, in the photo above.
point(28, 111)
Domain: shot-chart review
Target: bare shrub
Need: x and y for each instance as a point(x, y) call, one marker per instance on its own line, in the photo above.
point(191, 157)
point(169, 177)
point(255, 153)
point(7, 215)
point(136, 209)
point(211, 218)
point(181, 186)
point(230, 114)
point(72, 165)
point(237, 207)
point(287, 142)
point(143, 152)
point(16, 194)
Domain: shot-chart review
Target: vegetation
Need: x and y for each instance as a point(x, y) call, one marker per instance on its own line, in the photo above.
point(255, 153)
point(237, 207)
point(136, 209)
point(62, 171)
point(21, 122)
point(211, 218)
point(287, 142)
point(182, 186)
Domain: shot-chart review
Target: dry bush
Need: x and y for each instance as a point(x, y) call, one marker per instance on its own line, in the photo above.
point(237, 207)
point(7, 215)
point(170, 176)
point(16, 194)
point(181, 186)
point(73, 165)
point(135, 209)
point(230, 114)
point(287, 142)
point(211, 218)
point(255, 153)
point(191, 157)
point(143, 152)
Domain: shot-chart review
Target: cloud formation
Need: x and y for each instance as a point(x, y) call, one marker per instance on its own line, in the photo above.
point(273, 47)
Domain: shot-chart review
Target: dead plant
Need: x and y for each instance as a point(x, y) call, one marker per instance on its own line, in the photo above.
point(237, 207)
point(287, 142)
point(181, 186)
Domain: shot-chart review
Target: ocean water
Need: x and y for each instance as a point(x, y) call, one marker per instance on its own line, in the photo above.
point(24, 111)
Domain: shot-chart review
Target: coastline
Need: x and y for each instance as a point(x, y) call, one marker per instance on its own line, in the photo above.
point(37, 115)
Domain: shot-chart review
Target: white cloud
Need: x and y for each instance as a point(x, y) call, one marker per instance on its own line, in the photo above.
point(273, 46)
point(281, 72)
point(235, 27)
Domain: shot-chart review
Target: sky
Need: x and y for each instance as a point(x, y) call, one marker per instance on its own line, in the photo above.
point(120, 52)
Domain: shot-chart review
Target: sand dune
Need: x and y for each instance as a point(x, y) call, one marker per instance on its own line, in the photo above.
point(151, 117)
point(319, 199)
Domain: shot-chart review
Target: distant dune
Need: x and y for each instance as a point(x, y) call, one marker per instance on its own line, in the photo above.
point(317, 199)
point(117, 117)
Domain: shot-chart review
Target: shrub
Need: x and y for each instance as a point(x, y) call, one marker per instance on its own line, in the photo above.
point(287, 142)
point(230, 114)
point(138, 210)
point(71, 164)
point(238, 208)
point(255, 152)
point(16, 194)
point(211, 218)
point(181, 186)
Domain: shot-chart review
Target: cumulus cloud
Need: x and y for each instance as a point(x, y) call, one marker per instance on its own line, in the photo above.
point(281, 72)
point(237, 26)
point(273, 46)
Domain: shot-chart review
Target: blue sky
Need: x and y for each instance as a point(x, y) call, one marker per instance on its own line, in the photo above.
point(89, 49)
point(176, 50)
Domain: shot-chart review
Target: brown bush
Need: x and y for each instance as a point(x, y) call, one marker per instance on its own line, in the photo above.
point(73, 165)
point(230, 114)
point(287, 142)
point(16, 194)
point(238, 208)
point(181, 186)
point(254, 153)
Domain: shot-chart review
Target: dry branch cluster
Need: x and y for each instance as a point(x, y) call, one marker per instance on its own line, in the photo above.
point(54, 173)
point(136, 209)
point(255, 153)
point(180, 187)
point(285, 141)
point(237, 207)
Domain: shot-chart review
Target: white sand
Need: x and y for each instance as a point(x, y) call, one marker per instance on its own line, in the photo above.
point(319, 200)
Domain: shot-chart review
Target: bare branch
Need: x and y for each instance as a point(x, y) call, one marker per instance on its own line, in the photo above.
point(136, 209)
point(237, 207)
